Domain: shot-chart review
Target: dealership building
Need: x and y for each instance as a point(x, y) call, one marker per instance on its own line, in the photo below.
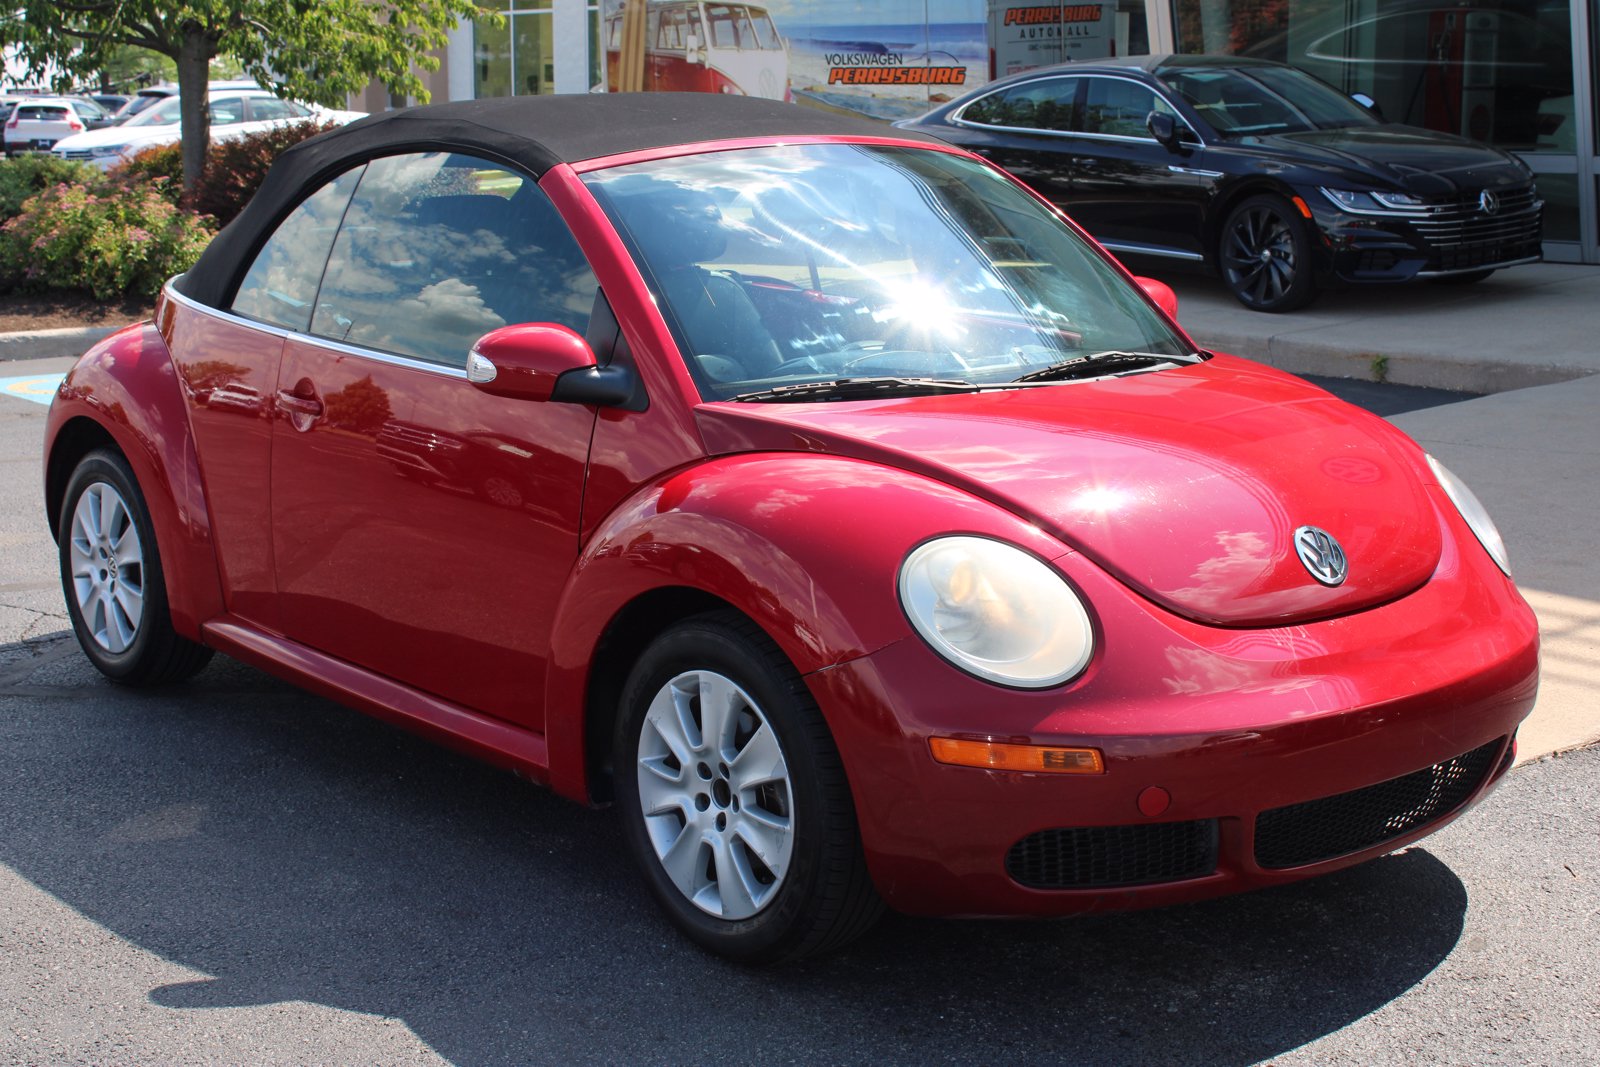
point(1519, 74)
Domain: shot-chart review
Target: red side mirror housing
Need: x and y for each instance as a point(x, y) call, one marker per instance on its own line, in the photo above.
point(1162, 294)
point(523, 362)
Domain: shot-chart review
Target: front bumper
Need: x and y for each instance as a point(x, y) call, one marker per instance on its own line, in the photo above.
point(1247, 741)
point(1454, 239)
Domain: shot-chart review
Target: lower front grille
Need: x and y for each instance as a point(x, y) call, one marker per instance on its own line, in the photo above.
point(1336, 826)
point(1102, 857)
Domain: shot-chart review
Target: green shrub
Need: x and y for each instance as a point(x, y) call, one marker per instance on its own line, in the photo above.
point(28, 175)
point(115, 242)
point(235, 168)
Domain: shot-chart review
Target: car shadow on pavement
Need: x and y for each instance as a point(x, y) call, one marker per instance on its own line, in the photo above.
point(295, 850)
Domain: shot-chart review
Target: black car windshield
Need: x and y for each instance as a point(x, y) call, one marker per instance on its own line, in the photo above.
point(810, 263)
point(1257, 100)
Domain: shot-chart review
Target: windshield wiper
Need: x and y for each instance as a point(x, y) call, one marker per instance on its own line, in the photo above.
point(858, 389)
point(1097, 363)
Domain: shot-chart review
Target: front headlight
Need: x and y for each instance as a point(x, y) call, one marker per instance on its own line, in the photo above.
point(1375, 202)
point(995, 611)
point(103, 150)
point(1474, 512)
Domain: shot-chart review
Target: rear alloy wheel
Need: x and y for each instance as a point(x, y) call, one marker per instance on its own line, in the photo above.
point(733, 798)
point(111, 575)
point(1264, 253)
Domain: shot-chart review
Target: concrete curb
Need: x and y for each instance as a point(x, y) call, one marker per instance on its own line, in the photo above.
point(1427, 369)
point(49, 344)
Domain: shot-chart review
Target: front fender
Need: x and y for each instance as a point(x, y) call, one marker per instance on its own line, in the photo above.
point(126, 388)
point(808, 546)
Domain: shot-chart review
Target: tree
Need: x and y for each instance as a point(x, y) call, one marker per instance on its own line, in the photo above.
point(319, 50)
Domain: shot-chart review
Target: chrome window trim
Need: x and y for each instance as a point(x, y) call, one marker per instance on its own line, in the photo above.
point(374, 355)
point(955, 118)
point(1151, 250)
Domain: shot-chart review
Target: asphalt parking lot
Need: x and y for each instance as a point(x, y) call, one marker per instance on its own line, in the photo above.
point(235, 871)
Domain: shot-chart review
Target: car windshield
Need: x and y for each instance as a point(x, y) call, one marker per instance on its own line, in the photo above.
point(810, 263)
point(1252, 101)
point(165, 113)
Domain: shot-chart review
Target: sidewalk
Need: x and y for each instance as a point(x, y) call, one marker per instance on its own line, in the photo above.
point(1531, 451)
point(1524, 327)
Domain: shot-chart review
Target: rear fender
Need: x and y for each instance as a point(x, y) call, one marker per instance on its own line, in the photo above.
point(809, 547)
point(127, 390)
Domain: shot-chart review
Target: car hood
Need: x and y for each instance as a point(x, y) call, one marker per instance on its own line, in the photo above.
point(1186, 484)
point(1419, 161)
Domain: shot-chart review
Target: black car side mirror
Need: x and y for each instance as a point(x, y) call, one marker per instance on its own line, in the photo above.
point(1164, 128)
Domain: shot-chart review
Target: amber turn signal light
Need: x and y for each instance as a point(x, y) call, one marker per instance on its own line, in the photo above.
point(998, 756)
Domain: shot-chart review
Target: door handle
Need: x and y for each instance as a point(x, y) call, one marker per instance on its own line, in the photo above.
point(299, 405)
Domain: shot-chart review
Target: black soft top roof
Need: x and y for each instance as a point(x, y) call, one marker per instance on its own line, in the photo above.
point(531, 133)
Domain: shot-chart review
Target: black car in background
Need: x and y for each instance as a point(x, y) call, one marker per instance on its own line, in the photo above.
point(1272, 177)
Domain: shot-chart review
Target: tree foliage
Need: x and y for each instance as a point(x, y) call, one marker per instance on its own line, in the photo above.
point(318, 50)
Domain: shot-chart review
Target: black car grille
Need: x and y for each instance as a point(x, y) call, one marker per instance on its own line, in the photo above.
point(1334, 826)
point(1098, 857)
point(76, 154)
point(1461, 235)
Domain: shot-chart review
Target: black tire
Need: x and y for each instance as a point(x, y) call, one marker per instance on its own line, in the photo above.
point(823, 898)
point(1264, 254)
point(151, 652)
point(1471, 277)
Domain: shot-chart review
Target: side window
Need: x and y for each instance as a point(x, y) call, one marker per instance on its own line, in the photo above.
point(265, 108)
point(282, 283)
point(1115, 106)
point(436, 250)
point(227, 110)
point(1046, 104)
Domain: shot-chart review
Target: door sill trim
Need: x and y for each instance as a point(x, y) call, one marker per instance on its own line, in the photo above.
point(517, 749)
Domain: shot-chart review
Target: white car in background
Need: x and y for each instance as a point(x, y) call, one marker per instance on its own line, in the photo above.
point(37, 123)
point(234, 113)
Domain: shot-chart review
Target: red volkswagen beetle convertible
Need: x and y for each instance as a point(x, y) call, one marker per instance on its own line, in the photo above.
point(824, 500)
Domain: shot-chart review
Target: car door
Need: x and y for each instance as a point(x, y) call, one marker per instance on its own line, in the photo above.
point(421, 528)
point(228, 365)
point(1128, 190)
point(1022, 128)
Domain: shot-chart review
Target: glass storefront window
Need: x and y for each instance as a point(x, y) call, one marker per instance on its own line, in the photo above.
point(491, 60)
point(515, 59)
point(596, 54)
point(1560, 193)
point(1498, 71)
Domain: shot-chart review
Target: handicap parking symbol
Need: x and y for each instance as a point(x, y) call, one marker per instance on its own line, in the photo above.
point(39, 388)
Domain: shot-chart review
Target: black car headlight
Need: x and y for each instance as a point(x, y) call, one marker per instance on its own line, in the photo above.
point(1375, 202)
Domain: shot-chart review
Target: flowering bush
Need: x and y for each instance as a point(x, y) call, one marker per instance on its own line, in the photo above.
point(160, 166)
point(28, 175)
point(115, 241)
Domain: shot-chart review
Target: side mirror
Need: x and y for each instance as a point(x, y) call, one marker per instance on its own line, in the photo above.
point(1367, 102)
point(545, 361)
point(1162, 294)
point(1163, 128)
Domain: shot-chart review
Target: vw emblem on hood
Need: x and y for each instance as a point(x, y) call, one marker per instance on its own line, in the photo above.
point(1488, 203)
point(1321, 554)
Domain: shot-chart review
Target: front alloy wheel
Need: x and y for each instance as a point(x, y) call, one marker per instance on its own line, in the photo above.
point(714, 791)
point(733, 797)
point(1265, 255)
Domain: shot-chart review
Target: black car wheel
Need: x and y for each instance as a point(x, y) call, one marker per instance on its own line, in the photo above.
point(733, 798)
point(1472, 277)
point(1265, 255)
point(111, 574)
